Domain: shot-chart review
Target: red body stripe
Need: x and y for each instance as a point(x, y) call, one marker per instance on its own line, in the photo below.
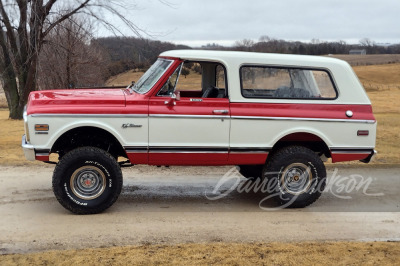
point(299, 110)
point(197, 158)
point(138, 158)
point(344, 157)
point(188, 158)
point(42, 158)
point(247, 158)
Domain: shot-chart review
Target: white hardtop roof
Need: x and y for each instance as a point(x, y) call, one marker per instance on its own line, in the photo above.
point(252, 57)
point(348, 85)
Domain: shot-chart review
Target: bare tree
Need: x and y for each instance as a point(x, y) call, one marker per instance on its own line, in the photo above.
point(366, 42)
point(265, 38)
point(244, 45)
point(71, 57)
point(24, 25)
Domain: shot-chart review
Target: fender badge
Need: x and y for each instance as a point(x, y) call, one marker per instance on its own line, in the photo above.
point(130, 125)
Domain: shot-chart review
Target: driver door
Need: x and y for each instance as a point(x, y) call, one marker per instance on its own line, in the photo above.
point(188, 130)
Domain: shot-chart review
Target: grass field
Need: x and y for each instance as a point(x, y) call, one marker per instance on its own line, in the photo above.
point(124, 79)
point(382, 82)
point(370, 59)
point(333, 253)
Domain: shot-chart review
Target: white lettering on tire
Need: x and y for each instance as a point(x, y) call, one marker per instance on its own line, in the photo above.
point(74, 200)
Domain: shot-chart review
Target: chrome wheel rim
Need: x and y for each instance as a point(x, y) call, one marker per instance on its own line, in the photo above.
point(296, 178)
point(88, 182)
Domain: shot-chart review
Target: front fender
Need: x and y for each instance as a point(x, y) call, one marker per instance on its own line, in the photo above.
point(114, 125)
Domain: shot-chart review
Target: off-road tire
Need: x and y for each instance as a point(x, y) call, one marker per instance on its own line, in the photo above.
point(87, 180)
point(298, 175)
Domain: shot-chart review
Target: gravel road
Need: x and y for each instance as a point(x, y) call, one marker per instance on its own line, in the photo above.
point(170, 205)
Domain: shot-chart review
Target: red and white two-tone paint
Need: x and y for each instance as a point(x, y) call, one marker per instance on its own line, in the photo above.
point(154, 122)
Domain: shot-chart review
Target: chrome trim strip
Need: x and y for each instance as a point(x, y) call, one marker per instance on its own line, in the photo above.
point(241, 150)
point(135, 151)
point(207, 117)
point(42, 154)
point(196, 149)
point(351, 148)
point(93, 115)
point(351, 152)
point(178, 151)
point(190, 116)
point(189, 148)
point(248, 152)
point(305, 119)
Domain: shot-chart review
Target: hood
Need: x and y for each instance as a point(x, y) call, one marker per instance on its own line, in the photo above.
point(75, 101)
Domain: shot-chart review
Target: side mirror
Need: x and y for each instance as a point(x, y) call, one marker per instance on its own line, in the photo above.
point(174, 97)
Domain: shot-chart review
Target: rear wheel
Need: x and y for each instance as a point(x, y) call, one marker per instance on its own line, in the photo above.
point(87, 180)
point(299, 175)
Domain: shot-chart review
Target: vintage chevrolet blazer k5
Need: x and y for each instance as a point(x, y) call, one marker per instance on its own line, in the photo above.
point(275, 116)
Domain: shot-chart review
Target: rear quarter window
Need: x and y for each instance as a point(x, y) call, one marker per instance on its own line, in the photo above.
point(286, 83)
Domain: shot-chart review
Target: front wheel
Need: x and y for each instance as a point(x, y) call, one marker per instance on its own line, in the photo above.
point(87, 180)
point(298, 175)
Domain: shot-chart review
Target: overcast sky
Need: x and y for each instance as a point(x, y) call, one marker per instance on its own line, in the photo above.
point(198, 22)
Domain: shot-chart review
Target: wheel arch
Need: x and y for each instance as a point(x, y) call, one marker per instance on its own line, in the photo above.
point(303, 137)
point(88, 135)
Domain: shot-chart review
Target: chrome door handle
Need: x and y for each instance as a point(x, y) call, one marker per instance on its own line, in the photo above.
point(220, 112)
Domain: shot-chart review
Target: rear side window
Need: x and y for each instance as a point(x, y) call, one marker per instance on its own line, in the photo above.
point(286, 83)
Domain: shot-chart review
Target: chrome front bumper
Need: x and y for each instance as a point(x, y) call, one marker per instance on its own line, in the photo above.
point(29, 151)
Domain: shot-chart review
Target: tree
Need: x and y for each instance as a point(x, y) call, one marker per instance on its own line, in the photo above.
point(24, 26)
point(185, 71)
point(265, 38)
point(244, 45)
point(71, 56)
point(366, 42)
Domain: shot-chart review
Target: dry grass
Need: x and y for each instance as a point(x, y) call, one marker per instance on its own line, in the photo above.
point(190, 82)
point(11, 133)
point(124, 79)
point(370, 59)
point(382, 83)
point(331, 253)
point(381, 78)
point(388, 140)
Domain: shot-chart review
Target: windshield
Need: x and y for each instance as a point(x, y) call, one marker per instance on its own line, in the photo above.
point(152, 75)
